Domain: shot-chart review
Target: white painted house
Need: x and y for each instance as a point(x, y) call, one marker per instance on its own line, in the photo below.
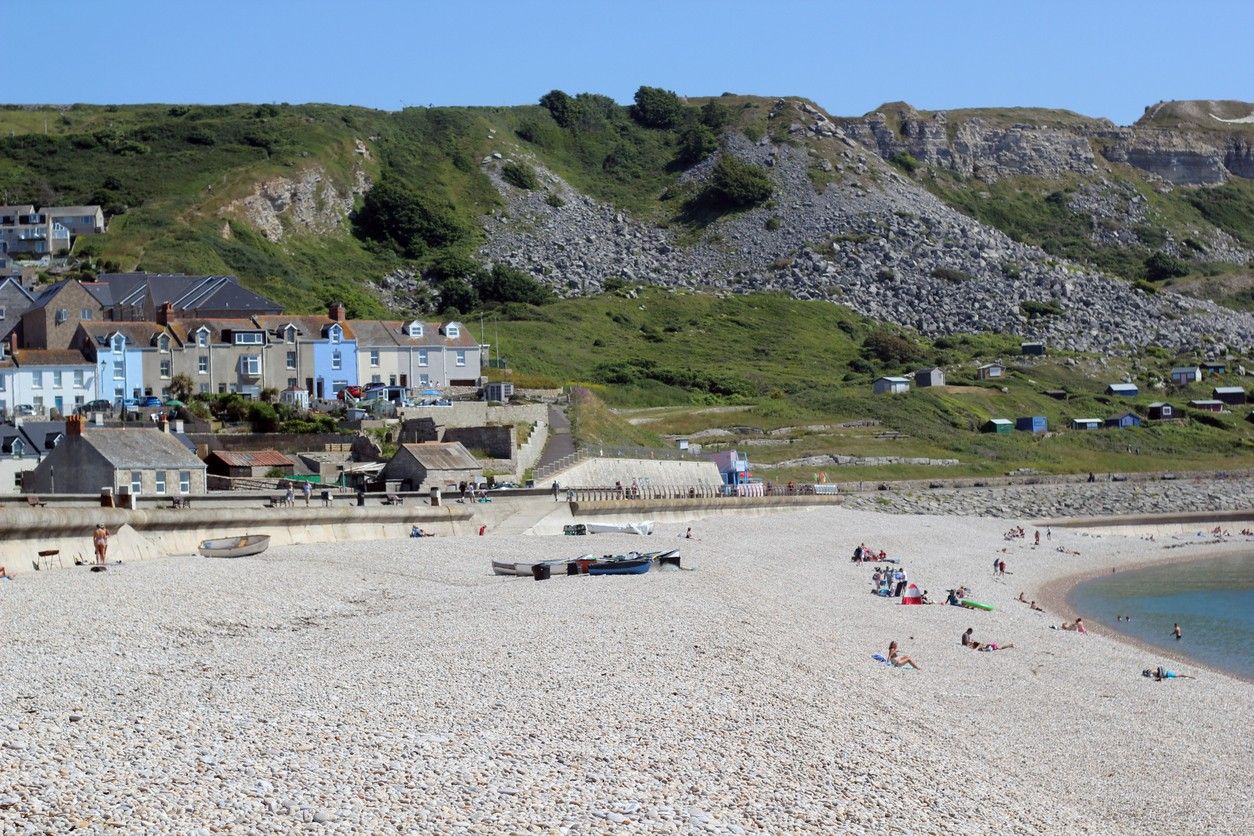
point(44, 380)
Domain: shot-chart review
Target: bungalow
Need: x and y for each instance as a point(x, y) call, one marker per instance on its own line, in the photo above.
point(890, 385)
point(991, 371)
point(929, 377)
point(997, 425)
point(1182, 375)
point(1123, 390)
point(246, 464)
point(1033, 348)
point(1086, 423)
point(1207, 404)
point(143, 461)
point(1032, 424)
point(1215, 368)
point(1124, 420)
point(439, 463)
point(1229, 394)
point(1159, 411)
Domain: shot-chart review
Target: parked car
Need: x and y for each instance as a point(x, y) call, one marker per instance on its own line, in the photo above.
point(23, 409)
point(150, 401)
point(352, 391)
point(96, 406)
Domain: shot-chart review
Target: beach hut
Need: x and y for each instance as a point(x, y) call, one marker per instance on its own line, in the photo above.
point(997, 425)
point(1032, 348)
point(1207, 404)
point(1031, 424)
point(1234, 395)
point(890, 385)
point(929, 377)
point(991, 371)
point(1124, 420)
point(1056, 394)
point(1159, 411)
point(1123, 390)
point(1086, 423)
point(1216, 367)
point(1183, 375)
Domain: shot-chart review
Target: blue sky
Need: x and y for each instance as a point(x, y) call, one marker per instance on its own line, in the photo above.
point(1099, 58)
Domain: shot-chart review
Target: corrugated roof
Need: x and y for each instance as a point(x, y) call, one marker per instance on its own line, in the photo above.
point(141, 449)
point(442, 455)
point(1228, 390)
point(252, 458)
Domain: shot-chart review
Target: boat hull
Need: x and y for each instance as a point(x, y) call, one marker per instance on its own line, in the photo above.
point(244, 546)
point(621, 567)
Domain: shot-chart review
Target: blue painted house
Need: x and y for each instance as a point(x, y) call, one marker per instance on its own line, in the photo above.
point(1032, 424)
point(1124, 420)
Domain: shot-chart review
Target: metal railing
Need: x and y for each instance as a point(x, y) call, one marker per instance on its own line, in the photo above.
point(618, 452)
point(623, 493)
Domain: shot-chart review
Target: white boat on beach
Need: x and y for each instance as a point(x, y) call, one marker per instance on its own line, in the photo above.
point(643, 528)
point(244, 546)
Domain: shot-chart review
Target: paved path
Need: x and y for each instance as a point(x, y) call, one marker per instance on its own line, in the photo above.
point(560, 443)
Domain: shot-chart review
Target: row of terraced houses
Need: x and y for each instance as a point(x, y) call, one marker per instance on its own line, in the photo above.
point(128, 335)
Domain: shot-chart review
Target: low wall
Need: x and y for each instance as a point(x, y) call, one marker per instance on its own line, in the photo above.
point(607, 471)
point(151, 533)
point(477, 413)
point(646, 508)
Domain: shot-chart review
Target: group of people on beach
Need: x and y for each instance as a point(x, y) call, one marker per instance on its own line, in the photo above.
point(862, 554)
point(889, 583)
point(1022, 599)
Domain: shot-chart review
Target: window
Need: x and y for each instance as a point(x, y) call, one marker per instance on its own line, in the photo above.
point(79, 378)
point(119, 369)
point(391, 380)
point(78, 401)
point(163, 343)
point(289, 334)
point(17, 481)
point(291, 383)
point(291, 359)
point(374, 378)
point(202, 364)
point(85, 313)
point(2, 312)
point(159, 477)
point(249, 338)
point(335, 333)
point(221, 388)
point(414, 329)
point(62, 315)
point(452, 331)
point(422, 357)
point(19, 448)
point(374, 359)
point(165, 367)
point(4, 383)
point(337, 360)
point(202, 338)
point(137, 482)
point(251, 365)
point(57, 379)
point(118, 344)
point(185, 481)
point(36, 380)
point(204, 388)
point(461, 358)
point(38, 403)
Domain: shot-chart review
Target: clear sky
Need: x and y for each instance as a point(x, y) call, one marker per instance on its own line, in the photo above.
point(1099, 57)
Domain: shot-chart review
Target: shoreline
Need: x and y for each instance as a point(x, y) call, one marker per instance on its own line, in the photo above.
point(1055, 597)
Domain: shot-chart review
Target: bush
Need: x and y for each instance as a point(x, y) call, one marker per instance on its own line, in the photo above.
point(1147, 287)
point(613, 284)
point(1163, 265)
point(738, 184)
point(521, 175)
point(263, 417)
point(408, 222)
point(560, 106)
point(773, 223)
point(906, 161)
point(657, 108)
point(1033, 309)
point(456, 295)
point(555, 200)
point(695, 144)
point(951, 274)
point(504, 284)
point(890, 348)
point(715, 115)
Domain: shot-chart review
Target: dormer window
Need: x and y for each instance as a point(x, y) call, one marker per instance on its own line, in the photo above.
point(414, 329)
point(335, 333)
point(452, 330)
point(289, 334)
point(18, 448)
point(163, 342)
point(202, 337)
point(118, 343)
point(249, 338)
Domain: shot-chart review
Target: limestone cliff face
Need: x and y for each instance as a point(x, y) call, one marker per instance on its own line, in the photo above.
point(309, 202)
point(973, 145)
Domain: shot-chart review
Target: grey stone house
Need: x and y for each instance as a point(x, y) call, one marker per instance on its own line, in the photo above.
point(439, 463)
point(149, 462)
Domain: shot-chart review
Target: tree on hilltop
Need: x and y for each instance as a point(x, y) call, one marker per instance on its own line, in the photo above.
point(657, 108)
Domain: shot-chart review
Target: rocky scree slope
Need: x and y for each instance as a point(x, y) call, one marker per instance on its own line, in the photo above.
point(844, 225)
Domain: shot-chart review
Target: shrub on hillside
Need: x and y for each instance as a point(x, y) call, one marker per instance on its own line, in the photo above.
point(695, 144)
point(504, 284)
point(560, 106)
point(1163, 265)
point(715, 115)
point(521, 175)
point(737, 184)
point(906, 161)
point(951, 274)
point(1033, 309)
point(657, 108)
point(410, 223)
point(890, 348)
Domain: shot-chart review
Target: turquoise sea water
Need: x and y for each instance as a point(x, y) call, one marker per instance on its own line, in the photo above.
point(1213, 601)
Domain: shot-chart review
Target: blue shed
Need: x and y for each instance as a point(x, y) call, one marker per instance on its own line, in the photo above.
point(1124, 420)
point(1032, 424)
point(1126, 390)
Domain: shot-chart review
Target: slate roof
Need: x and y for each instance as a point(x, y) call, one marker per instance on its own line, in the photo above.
point(136, 333)
point(185, 328)
point(310, 327)
point(442, 455)
point(187, 293)
point(70, 210)
point(43, 435)
point(141, 449)
point(252, 458)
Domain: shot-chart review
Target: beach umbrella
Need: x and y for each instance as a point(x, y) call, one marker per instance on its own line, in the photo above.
point(174, 402)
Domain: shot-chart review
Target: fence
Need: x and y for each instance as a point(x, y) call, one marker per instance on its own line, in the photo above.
point(625, 493)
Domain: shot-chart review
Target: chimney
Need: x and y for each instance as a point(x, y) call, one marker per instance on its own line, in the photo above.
point(74, 424)
point(178, 426)
point(12, 343)
point(165, 313)
point(165, 424)
point(337, 311)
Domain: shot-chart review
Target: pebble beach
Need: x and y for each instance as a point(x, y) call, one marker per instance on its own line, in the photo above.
point(398, 686)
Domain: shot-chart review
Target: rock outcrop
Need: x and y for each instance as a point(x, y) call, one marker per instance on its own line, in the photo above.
point(309, 202)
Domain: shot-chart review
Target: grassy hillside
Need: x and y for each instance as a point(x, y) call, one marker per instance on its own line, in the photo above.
point(675, 364)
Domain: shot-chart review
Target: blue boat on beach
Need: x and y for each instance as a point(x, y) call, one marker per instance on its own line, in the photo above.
point(630, 566)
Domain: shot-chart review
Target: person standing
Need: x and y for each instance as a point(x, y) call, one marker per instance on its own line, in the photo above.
point(307, 489)
point(100, 539)
point(996, 563)
point(900, 577)
point(1177, 632)
point(555, 490)
point(1001, 568)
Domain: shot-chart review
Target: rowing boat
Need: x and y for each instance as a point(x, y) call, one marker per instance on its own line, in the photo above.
point(248, 544)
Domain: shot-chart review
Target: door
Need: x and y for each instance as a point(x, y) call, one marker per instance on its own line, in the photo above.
point(60, 404)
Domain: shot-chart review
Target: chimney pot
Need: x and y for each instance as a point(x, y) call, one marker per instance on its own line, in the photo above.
point(165, 313)
point(337, 311)
point(74, 424)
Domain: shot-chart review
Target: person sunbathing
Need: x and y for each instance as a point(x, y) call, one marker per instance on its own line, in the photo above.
point(898, 660)
point(1022, 599)
point(1035, 607)
point(1160, 673)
